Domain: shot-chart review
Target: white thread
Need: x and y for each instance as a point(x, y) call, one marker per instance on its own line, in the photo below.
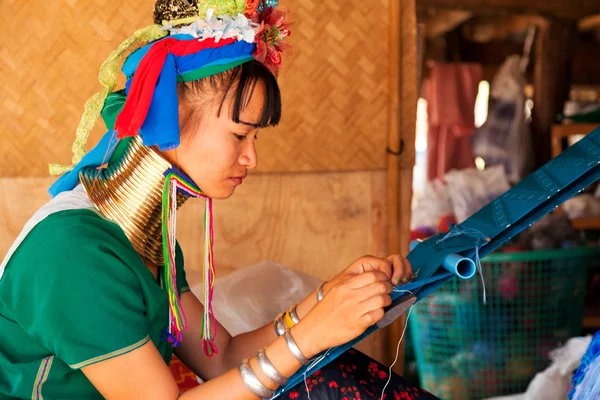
point(397, 353)
point(480, 270)
point(318, 360)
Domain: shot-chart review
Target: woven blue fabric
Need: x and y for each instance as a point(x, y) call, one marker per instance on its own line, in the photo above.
point(590, 358)
point(94, 158)
point(517, 209)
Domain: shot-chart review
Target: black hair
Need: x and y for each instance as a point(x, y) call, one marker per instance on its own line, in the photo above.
point(243, 80)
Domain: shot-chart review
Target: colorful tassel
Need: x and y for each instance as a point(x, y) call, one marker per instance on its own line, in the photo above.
point(177, 181)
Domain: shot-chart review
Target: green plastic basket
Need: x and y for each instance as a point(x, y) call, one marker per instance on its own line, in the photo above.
point(467, 350)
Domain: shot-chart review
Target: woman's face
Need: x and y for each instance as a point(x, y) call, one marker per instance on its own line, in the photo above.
point(216, 152)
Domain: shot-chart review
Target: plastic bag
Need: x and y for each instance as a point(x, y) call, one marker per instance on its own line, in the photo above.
point(555, 382)
point(505, 138)
point(430, 206)
point(582, 206)
point(471, 189)
point(252, 296)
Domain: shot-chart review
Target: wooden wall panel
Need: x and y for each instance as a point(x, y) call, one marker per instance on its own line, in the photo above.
point(50, 55)
point(334, 88)
point(314, 223)
point(19, 199)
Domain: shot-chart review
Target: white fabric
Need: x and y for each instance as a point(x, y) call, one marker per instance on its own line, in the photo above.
point(252, 296)
point(555, 382)
point(70, 200)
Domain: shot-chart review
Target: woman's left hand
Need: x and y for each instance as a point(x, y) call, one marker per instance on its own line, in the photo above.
point(396, 267)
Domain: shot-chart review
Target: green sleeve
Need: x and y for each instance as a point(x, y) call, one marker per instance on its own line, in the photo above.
point(74, 286)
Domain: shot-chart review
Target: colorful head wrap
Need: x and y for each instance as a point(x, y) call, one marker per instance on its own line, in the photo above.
point(179, 50)
point(191, 40)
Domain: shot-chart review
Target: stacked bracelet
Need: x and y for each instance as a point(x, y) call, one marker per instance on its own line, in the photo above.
point(293, 314)
point(269, 370)
point(279, 325)
point(252, 382)
point(320, 291)
point(294, 349)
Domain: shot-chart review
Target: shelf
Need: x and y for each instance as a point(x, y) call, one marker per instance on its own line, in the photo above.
point(591, 319)
point(562, 131)
point(586, 223)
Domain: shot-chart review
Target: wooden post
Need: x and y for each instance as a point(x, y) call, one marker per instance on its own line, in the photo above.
point(551, 81)
point(401, 140)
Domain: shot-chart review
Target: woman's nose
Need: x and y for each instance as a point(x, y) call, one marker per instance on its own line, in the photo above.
point(249, 158)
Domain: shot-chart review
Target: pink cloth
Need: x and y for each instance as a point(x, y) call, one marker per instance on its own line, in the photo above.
point(450, 92)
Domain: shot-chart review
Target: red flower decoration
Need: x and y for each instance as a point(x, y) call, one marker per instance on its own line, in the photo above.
point(270, 38)
point(294, 395)
point(382, 374)
point(333, 384)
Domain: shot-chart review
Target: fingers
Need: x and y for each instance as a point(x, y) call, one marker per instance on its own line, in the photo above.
point(366, 279)
point(401, 269)
point(370, 263)
point(372, 317)
point(381, 288)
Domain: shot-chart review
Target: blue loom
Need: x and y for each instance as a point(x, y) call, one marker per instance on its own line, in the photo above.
point(520, 207)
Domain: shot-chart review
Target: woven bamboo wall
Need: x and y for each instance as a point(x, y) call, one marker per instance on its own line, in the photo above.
point(334, 84)
point(319, 198)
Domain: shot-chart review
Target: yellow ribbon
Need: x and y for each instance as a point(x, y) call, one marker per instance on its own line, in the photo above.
point(288, 320)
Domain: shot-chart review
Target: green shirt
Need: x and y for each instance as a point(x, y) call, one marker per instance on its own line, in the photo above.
point(75, 293)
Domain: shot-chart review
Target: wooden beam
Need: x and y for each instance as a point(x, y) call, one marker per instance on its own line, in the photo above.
point(584, 61)
point(568, 9)
point(589, 23)
point(401, 141)
point(498, 29)
point(445, 21)
point(551, 80)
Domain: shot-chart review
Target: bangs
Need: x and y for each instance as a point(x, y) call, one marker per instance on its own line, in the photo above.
point(247, 76)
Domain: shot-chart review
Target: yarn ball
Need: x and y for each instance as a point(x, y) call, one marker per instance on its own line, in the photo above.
point(443, 305)
point(521, 368)
point(487, 353)
point(453, 388)
point(508, 285)
point(421, 232)
point(429, 382)
point(446, 222)
point(498, 324)
point(529, 320)
point(487, 382)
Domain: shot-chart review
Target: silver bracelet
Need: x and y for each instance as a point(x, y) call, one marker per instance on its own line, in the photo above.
point(252, 382)
point(294, 349)
point(294, 314)
point(320, 291)
point(279, 325)
point(269, 370)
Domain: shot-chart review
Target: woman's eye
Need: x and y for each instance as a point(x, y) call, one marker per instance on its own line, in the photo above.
point(240, 137)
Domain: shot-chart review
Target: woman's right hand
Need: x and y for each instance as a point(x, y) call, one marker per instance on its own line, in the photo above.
point(346, 311)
